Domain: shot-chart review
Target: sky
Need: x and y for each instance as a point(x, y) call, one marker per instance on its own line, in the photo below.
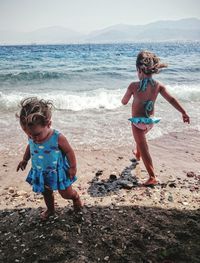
point(89, 15)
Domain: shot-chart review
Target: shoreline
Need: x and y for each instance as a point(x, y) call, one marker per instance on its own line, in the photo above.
point(174, 156)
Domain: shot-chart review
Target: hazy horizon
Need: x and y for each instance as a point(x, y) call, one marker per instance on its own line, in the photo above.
point(98, 29)
point(90, 15)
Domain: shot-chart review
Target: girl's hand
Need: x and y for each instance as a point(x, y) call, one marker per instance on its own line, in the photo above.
point(22, 165)
point(72, 172)
point(186, 118)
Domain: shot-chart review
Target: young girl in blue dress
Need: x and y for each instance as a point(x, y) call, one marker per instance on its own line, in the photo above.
point(145, 92)
point(53, 159)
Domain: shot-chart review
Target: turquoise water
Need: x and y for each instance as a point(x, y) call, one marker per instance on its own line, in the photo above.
point(86, 83)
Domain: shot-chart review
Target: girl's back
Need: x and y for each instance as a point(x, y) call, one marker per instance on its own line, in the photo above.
point(143, 96)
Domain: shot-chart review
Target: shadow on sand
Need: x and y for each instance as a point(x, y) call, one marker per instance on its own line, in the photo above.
point(114, 183)
point(101, 234)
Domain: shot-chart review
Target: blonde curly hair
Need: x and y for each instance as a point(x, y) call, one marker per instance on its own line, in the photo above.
point(149, 63)
point(35, 111)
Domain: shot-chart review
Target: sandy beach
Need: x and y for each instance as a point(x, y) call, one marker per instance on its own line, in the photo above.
point(121, 221)
point(84, 57)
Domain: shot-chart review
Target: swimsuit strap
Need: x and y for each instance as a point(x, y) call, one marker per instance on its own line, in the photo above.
point(148, 106)
point(144, 83)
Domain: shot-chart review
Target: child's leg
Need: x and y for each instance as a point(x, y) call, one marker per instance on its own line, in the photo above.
point(70, 193)
point(140, 138)
point(136, 152)
point(49, 201)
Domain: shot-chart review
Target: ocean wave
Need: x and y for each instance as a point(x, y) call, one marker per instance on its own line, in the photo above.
point(190, 92)
point(183, 68)
point(34, 76)
point(94, 99)
point(30, 76)
point(63, 101)
point(85, 73)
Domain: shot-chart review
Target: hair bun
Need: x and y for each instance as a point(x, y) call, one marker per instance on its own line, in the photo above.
point(149, 63)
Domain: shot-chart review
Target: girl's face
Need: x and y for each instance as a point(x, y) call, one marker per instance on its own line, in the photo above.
point(37, 133)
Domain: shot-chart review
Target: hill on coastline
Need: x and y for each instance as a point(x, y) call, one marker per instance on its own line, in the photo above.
point(169, 30)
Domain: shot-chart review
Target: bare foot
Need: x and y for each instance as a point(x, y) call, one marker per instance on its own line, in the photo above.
point(77, 203)
point(46, 214)
point(151, 182)
point(137, 154)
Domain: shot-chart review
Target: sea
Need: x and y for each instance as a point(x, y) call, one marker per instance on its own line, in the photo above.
point(86, 83)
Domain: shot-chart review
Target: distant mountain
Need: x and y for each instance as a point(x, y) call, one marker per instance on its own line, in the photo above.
point(184, 29)
point(179, 30)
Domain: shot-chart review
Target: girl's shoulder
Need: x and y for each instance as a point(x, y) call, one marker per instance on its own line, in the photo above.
point(134, 85)
point(159, 85)
point(61, 138)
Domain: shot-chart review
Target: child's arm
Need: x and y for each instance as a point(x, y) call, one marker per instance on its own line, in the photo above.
point(127, 95)
point(67, 149)
point(26, 157)
point(174, 103)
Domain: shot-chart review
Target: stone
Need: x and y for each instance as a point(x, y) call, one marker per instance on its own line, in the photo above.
point(106, 258)
point(191, 174)
point(11, 190)
point(99, 172)
point(113, 177)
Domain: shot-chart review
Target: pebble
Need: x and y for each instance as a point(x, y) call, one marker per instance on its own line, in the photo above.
point(113, 177)
point(170, 198)
point(79, 230)
point(191, 174)
point(11, 190)
point(22, 193)
point(126, 184)
point(99, 172)
point(172, 185)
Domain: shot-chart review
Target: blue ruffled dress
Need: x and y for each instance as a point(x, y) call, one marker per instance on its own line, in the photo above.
point(49, 166)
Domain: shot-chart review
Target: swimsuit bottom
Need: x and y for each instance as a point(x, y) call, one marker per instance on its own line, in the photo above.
point(144, 123)
point(143, 126)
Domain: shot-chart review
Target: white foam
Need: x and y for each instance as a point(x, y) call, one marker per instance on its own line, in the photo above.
point(10, 101)
point(95, 99)
point(100, 99)
point(185, 92)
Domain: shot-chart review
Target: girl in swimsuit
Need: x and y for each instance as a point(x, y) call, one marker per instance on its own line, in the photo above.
point(145, 92)
point(52, 158)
